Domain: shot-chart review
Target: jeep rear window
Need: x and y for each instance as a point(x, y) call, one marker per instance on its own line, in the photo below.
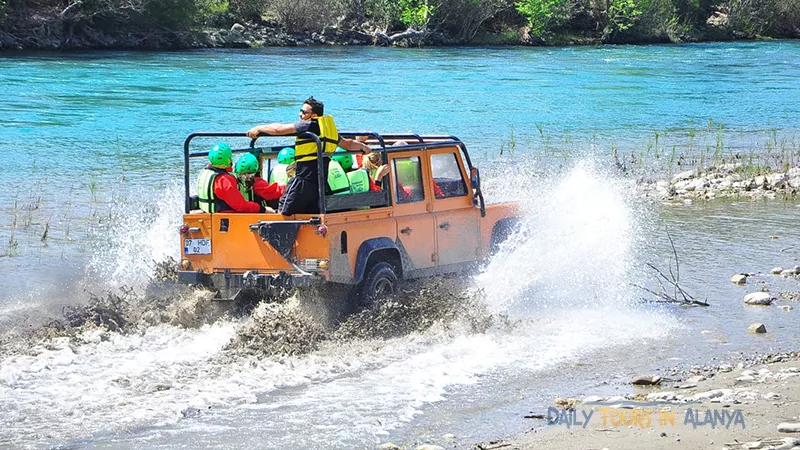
point(447, 176)
point(408, 178)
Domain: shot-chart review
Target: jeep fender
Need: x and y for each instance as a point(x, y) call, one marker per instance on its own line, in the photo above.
point(502, 230)
point(367, 249)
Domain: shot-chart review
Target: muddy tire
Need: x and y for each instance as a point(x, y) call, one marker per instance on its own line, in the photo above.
point(381, 282)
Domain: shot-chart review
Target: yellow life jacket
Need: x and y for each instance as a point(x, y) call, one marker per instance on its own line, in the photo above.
point(278, 174)
point(359, 181)
point(337, 179)
point(306, 149)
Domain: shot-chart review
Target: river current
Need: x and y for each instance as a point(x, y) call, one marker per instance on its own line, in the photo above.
point(94, 199)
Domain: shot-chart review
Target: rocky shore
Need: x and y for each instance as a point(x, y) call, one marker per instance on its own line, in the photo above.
point(246, 35)
point(752, 405)
point(728, 181)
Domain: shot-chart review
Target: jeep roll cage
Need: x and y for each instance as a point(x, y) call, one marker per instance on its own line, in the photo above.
point(332, 203)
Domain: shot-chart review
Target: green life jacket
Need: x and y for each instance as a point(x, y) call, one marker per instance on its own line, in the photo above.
point(337, 179)
point(408, 172)
point(306, 149)
point(278, 174)
point(359, 181)
point(205, 191)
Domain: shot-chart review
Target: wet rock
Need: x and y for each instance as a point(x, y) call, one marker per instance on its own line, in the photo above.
point(158, 387)
point(759, 298)
point(712, 394)
point(428, 447)
point(190, 412)
point(646, 380)
point(739, 278)
point(788, 443)
point(592, 399)
point(449, 437)
point(787, 273)
point(776, 270)
point(237, 27)
point(725, 368)
point(666, 396)
point(788, 427)
point(786, 307)
point(683, 176)
point(757, 328)
point(752, 445)
point(567, 403)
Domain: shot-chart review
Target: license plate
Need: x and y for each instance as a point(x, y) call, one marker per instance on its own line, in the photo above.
point(197, 246)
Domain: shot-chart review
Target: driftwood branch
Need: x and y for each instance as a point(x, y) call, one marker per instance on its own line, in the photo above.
point(389, 40)
point(679, 294)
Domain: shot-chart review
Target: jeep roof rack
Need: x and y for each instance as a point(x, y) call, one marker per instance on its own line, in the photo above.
point(337, 203)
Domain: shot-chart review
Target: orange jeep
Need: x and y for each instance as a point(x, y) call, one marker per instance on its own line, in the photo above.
point(429, 219)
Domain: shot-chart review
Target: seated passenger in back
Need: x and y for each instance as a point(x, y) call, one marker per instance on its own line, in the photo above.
point(217, 189)
point(253, 187)
point(278, 173)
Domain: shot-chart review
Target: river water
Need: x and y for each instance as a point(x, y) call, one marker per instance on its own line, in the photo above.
point(95, 197)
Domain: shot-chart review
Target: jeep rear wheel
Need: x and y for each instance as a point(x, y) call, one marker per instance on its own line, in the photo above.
point(380, 283)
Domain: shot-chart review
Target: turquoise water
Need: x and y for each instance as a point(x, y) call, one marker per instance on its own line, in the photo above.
point(86, 129)
point(95, 143)
point(103, 110)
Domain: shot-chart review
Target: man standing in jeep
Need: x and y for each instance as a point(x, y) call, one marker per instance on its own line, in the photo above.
point(302, 193)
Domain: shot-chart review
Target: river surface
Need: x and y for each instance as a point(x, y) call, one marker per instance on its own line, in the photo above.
point(94, 198)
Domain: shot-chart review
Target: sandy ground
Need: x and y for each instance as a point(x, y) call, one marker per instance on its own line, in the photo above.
point(727, 408)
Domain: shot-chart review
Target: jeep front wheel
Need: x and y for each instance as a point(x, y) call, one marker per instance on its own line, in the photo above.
point(380, 283)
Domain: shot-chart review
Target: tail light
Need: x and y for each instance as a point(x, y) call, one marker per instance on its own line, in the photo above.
point(184, 229)
point(322, 230)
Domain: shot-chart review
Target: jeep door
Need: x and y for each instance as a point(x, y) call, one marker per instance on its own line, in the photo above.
point(456, 220)
point(412, 210)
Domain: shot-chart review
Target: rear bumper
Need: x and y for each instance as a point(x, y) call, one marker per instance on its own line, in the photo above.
point(248, 280)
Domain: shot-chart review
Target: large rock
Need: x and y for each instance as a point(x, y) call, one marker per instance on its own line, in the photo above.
point(787, 427)
point(757, 328)
point(739, 278)
point(388, 446)
point(759, 298)
point(686, 175)
point(646, 380)
point(237, 27)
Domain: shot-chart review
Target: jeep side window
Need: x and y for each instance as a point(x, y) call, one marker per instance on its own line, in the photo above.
point(408, 176)
point(447, 179)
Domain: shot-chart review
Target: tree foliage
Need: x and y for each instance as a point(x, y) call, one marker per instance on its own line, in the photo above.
point(544, 15)
point(458, 20)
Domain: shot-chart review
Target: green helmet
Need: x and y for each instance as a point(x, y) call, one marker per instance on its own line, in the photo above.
point(246, 163)
point(221, 155)
point(286, 156)
point(345, 160)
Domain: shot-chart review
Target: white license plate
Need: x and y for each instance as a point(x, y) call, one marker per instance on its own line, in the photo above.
point(197, 246)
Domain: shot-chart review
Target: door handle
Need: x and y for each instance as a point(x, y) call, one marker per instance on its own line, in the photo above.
point(444, 225)
point(406, 230)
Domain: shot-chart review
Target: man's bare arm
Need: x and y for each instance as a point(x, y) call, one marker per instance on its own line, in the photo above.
point(349, 144)
point(273, 129)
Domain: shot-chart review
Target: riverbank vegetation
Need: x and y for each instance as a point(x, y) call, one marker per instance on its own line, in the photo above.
point(252, 23)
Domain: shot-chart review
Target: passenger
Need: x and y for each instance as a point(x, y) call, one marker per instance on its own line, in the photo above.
point(338, 181)
point(252, 186)
point(302, 193)
point(217, 189)
point(371, 163)
point(278, 173)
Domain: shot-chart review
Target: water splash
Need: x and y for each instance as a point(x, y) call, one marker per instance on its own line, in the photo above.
point(144, 232)
point(575, 246)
